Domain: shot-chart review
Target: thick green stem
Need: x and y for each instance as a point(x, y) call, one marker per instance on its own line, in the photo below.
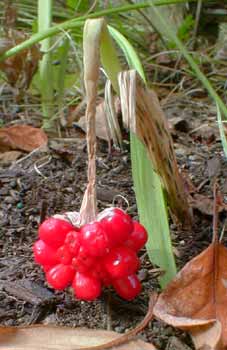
point(45, 66)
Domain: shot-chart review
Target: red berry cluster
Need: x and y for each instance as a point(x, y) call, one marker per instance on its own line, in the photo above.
point(101, 253)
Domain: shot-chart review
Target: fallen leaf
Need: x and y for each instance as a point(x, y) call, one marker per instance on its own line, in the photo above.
point(204, 204)
point(211, 336)
point(100, 121)
point(196, 300)
point(60, 338)
point(23, 137)
point(9, 157)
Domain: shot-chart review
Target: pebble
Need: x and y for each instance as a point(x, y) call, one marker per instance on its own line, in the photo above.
point(9, 200)
point(119, 329)
point(13, 184)
point(19, 205)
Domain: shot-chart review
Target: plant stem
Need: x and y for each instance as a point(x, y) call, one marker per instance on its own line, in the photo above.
point(45, 66)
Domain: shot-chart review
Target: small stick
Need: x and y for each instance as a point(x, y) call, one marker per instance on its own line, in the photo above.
point(215, 213)
point(125, 338)
point(43, 211)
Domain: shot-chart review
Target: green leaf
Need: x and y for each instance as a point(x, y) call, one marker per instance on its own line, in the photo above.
point(129, 52)
point(152, 211)
point(147, 185)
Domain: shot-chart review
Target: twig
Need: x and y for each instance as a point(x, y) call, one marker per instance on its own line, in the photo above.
point(215, 213)
point(130, 334)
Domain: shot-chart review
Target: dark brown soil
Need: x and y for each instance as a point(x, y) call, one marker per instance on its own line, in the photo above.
point(55, 179)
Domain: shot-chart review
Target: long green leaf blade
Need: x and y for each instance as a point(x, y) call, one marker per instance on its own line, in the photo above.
point(147, 186)
point(152, 211)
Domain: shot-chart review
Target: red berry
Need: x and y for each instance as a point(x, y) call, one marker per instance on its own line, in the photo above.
point(117, 224)
point(94, 239)
point(64, 256)
point(46, 267)
point(53, 231)
point(86, 287)
point(121, 261)
point(83, 262)
point(72, 242)
point(127, 287)
point(44, 254)
point(138, 237)
point(60, 276)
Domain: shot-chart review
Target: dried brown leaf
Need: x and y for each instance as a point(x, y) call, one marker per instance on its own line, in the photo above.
point(9, 157)
point(60, 338)
point(20, 68)
point(196, 300)
point(23, 137)
point(143, 115)
point(204, 204)
point(100, 121)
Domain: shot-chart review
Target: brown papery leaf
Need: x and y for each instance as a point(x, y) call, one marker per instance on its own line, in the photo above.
point(23, 137)
point(60, 338)
point(143, 115)
point(196, 300)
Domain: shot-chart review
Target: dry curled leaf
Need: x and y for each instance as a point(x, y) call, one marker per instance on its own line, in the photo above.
point(60, 338)
point(196, 300)
point(23, 137)
point(143, 115)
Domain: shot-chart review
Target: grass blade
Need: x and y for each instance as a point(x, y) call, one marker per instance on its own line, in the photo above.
point(206, 83)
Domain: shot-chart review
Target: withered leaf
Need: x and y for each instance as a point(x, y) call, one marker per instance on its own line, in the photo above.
point(60, 338)
point(204, 204)
point(196, 300)
point(9, 157)
point(23, 137)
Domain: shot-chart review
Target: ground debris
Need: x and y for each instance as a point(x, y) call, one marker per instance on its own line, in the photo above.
point(175, 343)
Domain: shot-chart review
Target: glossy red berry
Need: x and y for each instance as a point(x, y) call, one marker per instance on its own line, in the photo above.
point(44, 254)
point(53, 231)
point(64, 256)
point(72, 242)
point(138, 237)
point(127, 287)
point(121, 261)
point(83, 262)
point(86, 287)
point(117, 224)
point(60, 276)
point(94, 239)
point(46, 267)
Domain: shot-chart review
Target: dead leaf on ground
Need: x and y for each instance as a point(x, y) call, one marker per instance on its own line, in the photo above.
point(101, 124)
point(204, 204)
point(196, 300)
point(9, 157)
point(60, 338)
point(23, 137)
